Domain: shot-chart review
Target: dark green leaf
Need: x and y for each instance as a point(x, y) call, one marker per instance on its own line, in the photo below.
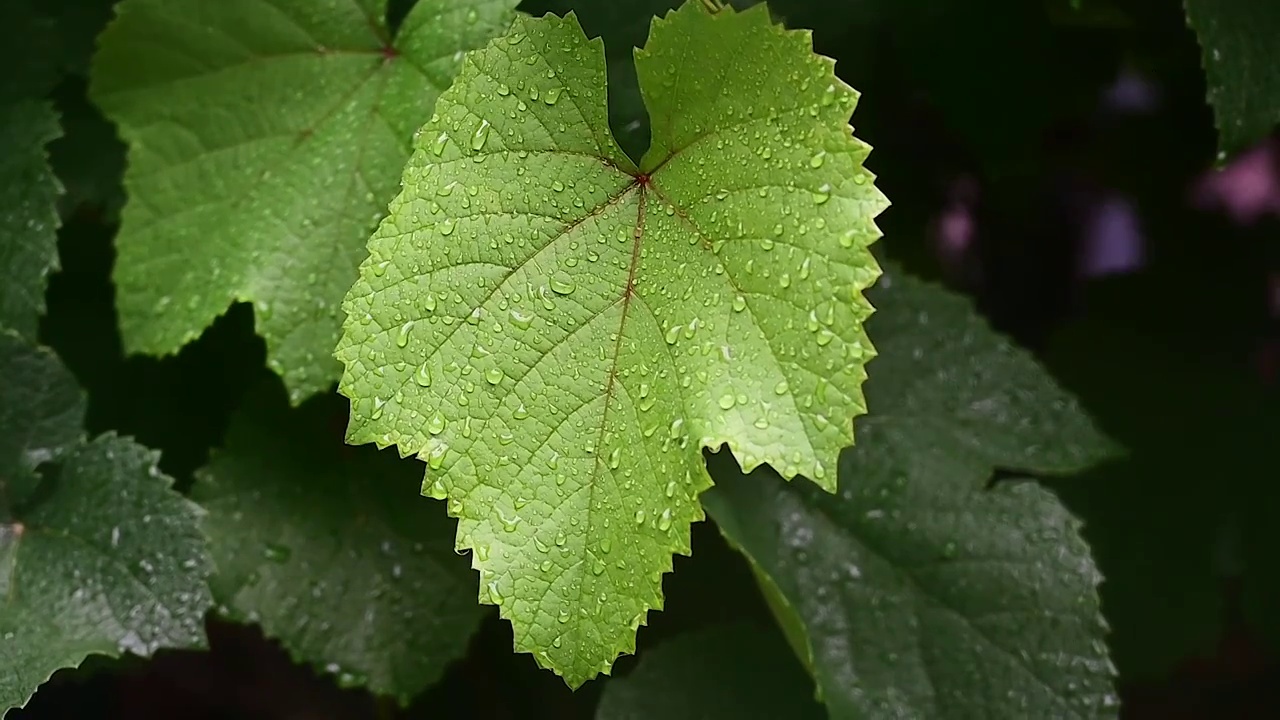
point(28, 215)
point(924, 594)
point(1239, 41)
point(333, 550)
point(41, 412)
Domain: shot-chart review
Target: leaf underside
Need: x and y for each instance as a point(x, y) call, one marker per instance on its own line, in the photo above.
point(265, 138)
point(558, 332)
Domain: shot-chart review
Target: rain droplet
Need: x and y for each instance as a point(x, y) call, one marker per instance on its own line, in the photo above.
point(423, 376)
point(664, 520)
point(493, 376)
point(436, 424)
point(726, 401)
point(276, 553)
point(481, 134)
point(436, 459)
point(562, 284)
point(677, 427)
point(520, 319)
point(402, 337)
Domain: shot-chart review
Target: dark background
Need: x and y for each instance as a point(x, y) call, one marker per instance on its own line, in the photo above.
point(1057, 165)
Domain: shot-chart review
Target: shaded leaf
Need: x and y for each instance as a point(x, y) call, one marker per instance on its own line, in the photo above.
point(98, 555)
point(331, 550)
point(1238, 40)
point(265, 137)
point(29, 223)
point(922, 593)
point(41, 412)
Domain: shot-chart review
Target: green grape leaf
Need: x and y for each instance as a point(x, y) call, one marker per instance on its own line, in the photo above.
point(98, 555)
point(315, 541)
point(558, 334)
point(724, 672)
point(623, 25)
point(265, 138)
point(921, 592)
point(28, 189)
point(1238, 40)
point(29, 226)
point(41, 413)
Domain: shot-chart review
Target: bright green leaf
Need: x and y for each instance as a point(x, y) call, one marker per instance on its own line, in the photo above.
point(923, 593)
point(725, 672)
point(328, 550)
point(98, 555)
point(1238, 40)
point(559, 335)
point(265, 137)
point(623, 25)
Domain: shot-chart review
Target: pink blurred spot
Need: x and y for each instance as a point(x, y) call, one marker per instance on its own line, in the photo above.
point(1247, 189)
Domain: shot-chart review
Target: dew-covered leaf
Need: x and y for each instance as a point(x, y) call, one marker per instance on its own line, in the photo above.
point(98, 555)
point(28, 212)
point(265, 139)
point(328, 549)
point(41, 412)
point(558, 334)
point(32, 54)
point(920, 592)
point(1238, 40)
